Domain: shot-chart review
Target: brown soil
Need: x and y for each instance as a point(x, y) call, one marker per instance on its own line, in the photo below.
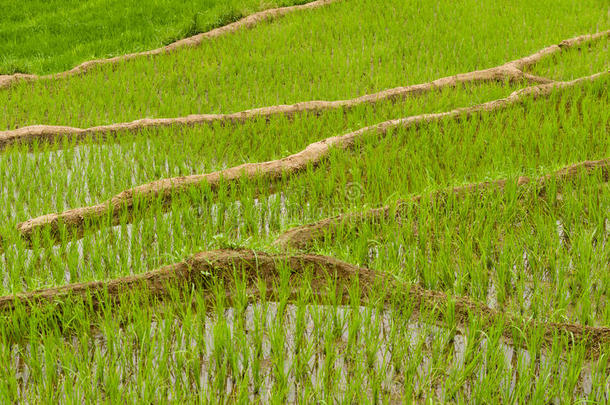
point(510, 71)
point(302, 236)
point(246, 22)
point(206, 269)
point(109, 211)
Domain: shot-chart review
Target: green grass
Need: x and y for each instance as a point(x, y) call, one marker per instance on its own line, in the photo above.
point(52, 36)
point(191, 349)
point(438, 155)
point(576, 62)
point(344, 50)
point(542, 258)
point(96, 171)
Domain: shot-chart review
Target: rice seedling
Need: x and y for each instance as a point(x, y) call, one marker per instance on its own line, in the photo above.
point(163, 191)
point(513, 71)
point(468, 256)
point(96, 170)
point(63, 34)
point(350, 48)
point(212, 338)
point(242, 214)
point(576, 62)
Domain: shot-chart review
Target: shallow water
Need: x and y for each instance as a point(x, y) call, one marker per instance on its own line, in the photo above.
point(381, 364)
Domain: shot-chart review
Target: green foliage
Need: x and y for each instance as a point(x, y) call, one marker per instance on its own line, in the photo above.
point(339, 51)
point(536, 256)
point(51, 36)
point(576, 62)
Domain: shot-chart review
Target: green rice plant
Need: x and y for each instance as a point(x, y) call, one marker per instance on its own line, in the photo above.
point(576, 62)
point(47, 37)
point(529, 252)
point(196, 218)
point(495, 271)
point(158, 333)
point(77, 175)
point(349, 48)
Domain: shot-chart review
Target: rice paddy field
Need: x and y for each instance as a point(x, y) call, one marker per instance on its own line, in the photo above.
point(343, 201)
point(51, 36)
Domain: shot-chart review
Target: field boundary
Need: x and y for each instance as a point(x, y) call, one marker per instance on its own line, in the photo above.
point(302, 236)
point(512, 71)
point(109, 212)
point(204, 270)
point(246, 22)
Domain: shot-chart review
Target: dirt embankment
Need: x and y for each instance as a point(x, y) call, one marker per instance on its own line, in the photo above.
point(204, 270)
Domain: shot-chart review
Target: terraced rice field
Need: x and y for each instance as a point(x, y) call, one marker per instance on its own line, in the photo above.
point(350, 201)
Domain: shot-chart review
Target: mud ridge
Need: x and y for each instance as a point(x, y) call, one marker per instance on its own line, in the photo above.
point(303, 236)
point(246, 22)
point(205, 270)
point(109, 212)
point(511, 71)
